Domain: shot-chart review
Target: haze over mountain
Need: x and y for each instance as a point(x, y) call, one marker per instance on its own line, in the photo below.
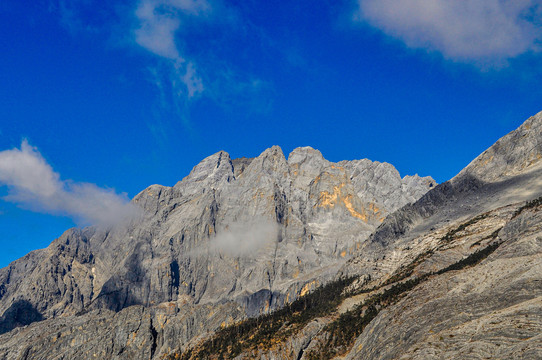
point(238, 259)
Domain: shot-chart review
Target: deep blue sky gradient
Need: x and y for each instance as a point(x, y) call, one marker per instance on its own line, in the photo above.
point(297, 75)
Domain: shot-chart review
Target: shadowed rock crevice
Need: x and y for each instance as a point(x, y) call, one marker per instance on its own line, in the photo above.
point(175, 276)
point(20, 313)
point(154, 338)
point(404, 219)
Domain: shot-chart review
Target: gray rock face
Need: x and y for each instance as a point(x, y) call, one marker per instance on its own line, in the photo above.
point(466, 301)
point(251, 233)
point(380, 185)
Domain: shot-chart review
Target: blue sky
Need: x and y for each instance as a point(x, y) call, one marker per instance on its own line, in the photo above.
point(97, 102)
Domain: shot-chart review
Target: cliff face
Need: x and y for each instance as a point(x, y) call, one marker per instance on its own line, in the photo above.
point(245, 234)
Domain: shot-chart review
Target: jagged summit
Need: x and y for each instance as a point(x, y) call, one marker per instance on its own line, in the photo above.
point(240, 237)
point(215, 168)
point(304, 152)
point(252, 233)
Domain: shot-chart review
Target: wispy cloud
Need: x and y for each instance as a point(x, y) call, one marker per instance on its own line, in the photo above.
point(74, 15)
point(158, 23)
point(187, 45)
point(34, 184)
point(485, 32)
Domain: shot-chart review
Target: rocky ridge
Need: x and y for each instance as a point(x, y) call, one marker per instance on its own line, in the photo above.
point(246, 235)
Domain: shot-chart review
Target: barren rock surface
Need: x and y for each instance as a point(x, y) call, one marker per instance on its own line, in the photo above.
point(457, 274)
point(491, 310)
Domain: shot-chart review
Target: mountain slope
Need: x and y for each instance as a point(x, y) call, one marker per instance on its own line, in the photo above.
point(468, 289)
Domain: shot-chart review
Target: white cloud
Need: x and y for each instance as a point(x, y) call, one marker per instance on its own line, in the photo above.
point(486, 32)
point(157, 33)
point(245, 238)
point(158, 23)
point(34, 184)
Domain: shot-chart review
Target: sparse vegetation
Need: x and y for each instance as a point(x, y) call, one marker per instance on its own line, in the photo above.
point(472, 259)
point(343, 331)
point(492, 236)
point(407, 271)
point(338, 336)
point(528, 205)
point(451, 235)
point(348, 326)
point(266, 330)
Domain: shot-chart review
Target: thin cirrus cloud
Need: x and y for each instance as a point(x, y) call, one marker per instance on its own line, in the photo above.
point(157, 24)
point(488, 32)
point(33, 184)
point(165, 30)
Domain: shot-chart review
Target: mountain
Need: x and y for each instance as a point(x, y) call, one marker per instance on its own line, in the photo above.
point(298, 258)
point(234, 239)
point(457, 274)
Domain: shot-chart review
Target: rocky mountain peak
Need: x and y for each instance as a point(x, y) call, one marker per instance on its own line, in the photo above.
point(305, 154)
point(211, 170)
point(305, 165)
point(252, 233)
point(381, 184)
point(239, 238)
point(270, 162)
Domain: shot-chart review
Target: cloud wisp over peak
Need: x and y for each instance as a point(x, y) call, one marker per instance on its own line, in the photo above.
point(34, 184)
point(483, 32)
